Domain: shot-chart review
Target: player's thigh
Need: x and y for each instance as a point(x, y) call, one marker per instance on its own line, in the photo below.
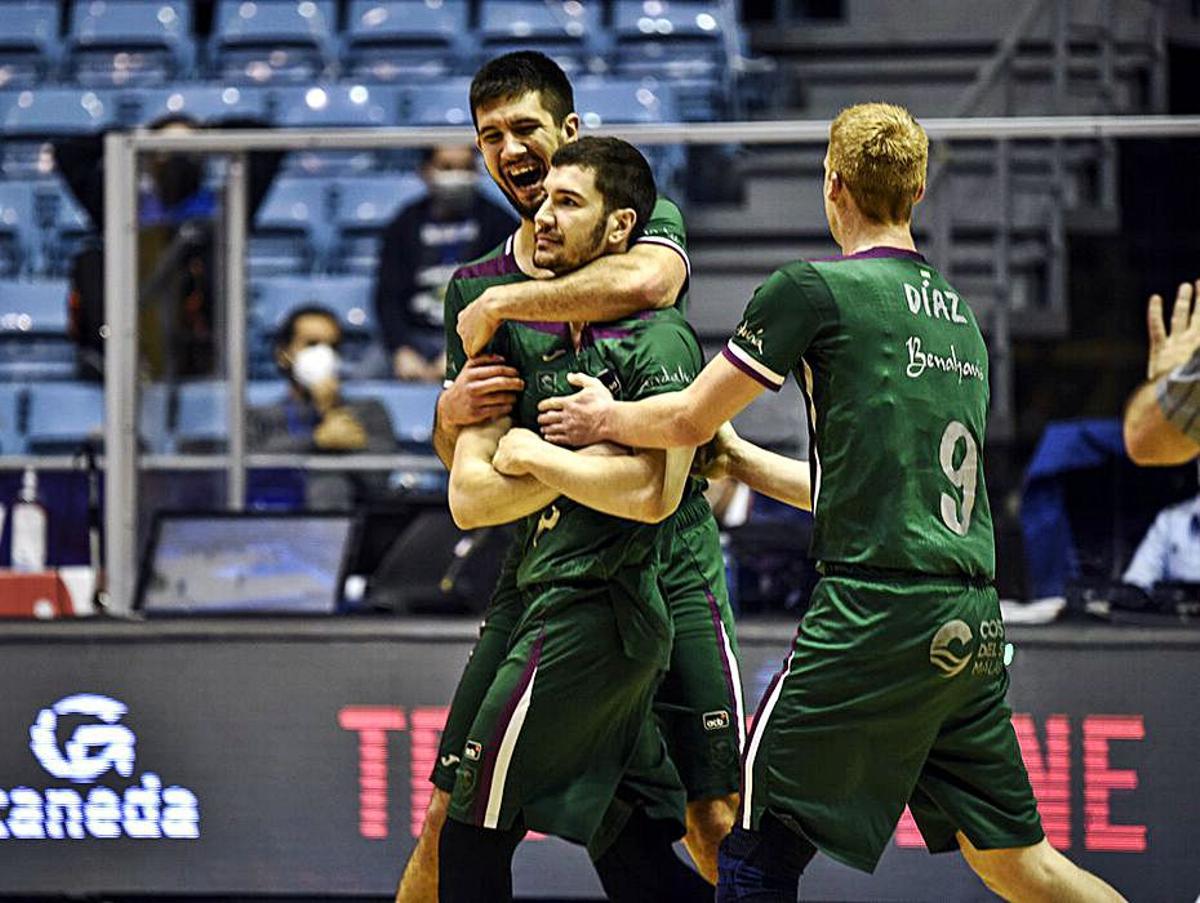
point(491, 649)
point(557, 726)
point(699, 703)
point(974, 779)
point(843, 730)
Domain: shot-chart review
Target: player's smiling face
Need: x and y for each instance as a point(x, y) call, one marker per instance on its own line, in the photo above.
point(517, 137)
point(572, 228)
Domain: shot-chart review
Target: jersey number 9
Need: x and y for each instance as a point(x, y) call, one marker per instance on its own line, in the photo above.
point(964, 477)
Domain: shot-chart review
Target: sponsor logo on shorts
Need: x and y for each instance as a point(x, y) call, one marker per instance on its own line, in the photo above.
point(547, 382)
point(716, 721)
point(473, 751)
point(942, 655)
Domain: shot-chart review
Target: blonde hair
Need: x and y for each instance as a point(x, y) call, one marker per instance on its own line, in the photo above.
point(880, 153)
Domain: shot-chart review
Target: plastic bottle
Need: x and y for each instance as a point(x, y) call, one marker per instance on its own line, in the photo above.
point(28, 527)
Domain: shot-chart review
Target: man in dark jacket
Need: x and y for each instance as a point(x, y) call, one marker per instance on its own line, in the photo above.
point(176, 268)
point(421, 248)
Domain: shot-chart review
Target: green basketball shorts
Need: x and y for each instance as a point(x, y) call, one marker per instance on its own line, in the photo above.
point(893, 694)
point(699, 705)
point(559, 724)
point(499, 621)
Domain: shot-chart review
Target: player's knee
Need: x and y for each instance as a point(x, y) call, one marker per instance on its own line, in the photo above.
point(763, 865)
point(710, 820)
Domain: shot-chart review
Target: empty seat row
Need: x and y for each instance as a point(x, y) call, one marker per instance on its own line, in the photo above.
point(131, 42)
point(55, 418)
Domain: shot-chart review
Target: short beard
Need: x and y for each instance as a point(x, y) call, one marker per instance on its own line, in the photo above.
point(521, 211)
point(594, 252)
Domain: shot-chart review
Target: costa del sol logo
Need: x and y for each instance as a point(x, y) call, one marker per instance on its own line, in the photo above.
point(96, 750)
point(941, 654)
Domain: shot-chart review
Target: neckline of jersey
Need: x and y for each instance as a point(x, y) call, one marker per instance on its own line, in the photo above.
point(874, 253)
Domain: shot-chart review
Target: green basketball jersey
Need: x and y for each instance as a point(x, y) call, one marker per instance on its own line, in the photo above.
point(895, 373)
point(499, 266)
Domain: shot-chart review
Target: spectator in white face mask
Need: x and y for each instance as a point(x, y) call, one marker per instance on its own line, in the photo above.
point(313, 417)
point(421, 248)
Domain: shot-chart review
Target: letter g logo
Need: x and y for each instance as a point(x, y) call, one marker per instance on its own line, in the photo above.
point(93, 749)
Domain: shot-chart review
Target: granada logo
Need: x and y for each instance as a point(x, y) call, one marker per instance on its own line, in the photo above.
point(942, 654)
point(98, 754)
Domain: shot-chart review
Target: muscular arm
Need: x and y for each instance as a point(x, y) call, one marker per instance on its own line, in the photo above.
point(674, 419)
point(647, 276)
point(1150, 438)
point(642, 485)
point(479, 495)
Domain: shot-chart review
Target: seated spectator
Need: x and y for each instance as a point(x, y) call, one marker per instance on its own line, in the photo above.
point(420, 250)
point(1170, 550)
point(313, 418)
point(176, 274)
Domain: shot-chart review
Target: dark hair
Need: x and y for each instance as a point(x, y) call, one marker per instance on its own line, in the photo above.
point(519, 73)
point(287, 329)
point(623, 177)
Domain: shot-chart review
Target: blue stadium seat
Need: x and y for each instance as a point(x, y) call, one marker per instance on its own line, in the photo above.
point(291, 228)
point(410, 406)
point(607, 101)
point(28, 119)
point(12, 398)
point(603, 101)
point(66, 227)
point(272, 41)
point(362, 210)
point(272, 299)
point(204, 103)
point(201, 411)
point(20, 238)
point(29, 47)
point(62, 415)
point(441, 103)
point(390, 40)
point(339, 106)
point(33, 331)
point(566, 31)
point(130, 42)
point(684, 42)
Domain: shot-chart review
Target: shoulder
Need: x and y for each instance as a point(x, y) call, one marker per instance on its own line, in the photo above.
point(796, 281)
point(484, 266)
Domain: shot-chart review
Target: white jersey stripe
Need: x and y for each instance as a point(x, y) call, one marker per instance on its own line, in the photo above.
point(491, 817)
point(756, 735)
point(760, 368)
point(673, 245)
point(739, 705)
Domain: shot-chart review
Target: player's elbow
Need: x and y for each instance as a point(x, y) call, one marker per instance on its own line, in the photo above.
point(1150, 445)
point(465, 509)
point(689, 432)
point(653, 507)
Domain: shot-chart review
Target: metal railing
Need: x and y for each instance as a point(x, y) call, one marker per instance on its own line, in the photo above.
point(121, 266)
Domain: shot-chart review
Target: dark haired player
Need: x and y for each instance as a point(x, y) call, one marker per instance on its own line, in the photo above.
point(522, 104)
point(566, 721)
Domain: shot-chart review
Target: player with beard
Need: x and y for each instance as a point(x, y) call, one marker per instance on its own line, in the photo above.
point(566, 723)
point(523, 104)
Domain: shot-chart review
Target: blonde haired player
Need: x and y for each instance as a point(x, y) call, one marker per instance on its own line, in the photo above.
point(894, 690)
